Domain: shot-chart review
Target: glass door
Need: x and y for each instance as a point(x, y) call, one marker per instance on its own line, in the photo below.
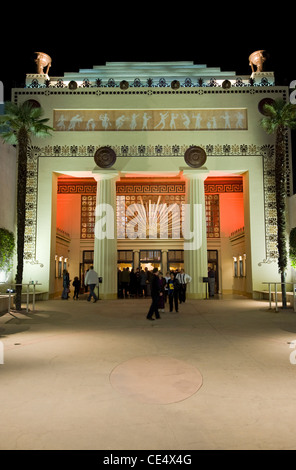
point(150, 259)
point(213, 263)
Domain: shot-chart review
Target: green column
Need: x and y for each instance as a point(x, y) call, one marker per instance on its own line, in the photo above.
point(105, 245)
point(195, 236)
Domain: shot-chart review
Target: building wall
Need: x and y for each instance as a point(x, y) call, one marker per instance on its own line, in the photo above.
point(231, 219)
point(292, 224)
point(7, 186)
point(8, 176)
point(292, 211)
point(68, 219)
point(159, 152)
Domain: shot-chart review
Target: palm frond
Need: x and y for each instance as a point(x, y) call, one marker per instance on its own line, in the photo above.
point(24, 116)
point(279, 113)
point(9, 138)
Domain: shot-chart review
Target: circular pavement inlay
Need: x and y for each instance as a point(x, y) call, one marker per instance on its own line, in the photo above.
point(156, 379)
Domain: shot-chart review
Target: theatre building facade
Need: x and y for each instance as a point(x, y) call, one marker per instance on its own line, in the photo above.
point(152, 164)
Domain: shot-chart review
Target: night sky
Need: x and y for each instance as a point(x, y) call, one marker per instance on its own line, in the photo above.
point(216, 34)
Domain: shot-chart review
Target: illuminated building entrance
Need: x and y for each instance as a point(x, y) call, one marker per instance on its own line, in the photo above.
point(175, 155)
point(148, 236)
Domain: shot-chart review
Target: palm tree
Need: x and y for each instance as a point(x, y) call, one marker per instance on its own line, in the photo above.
point(279, 117)
point(18, 124)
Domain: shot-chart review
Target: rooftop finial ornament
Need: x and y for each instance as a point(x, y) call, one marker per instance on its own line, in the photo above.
point(257, 58)
point(42, 60)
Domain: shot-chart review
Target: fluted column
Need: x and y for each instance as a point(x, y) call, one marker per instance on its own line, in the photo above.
point(105, 245)
point(195, 236)
point(136, 259)
point(164, 261)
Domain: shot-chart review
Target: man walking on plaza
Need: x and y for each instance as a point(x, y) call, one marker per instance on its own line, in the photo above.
point(155, 293)
point(91, 280)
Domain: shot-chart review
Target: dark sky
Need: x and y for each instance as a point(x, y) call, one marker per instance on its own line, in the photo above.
point(19, 60)
point(220, 35)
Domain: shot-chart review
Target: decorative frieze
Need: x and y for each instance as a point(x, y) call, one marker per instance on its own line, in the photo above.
point(159, 150)
point(80, 120)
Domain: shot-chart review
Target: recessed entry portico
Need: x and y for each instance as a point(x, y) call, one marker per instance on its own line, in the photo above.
point(149, 212)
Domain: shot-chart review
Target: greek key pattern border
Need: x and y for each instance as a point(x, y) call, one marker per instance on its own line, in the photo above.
point(134, 189)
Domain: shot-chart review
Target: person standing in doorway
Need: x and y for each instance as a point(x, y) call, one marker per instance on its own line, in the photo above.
point(125, 281)
point(167, 278)
point(162, 283)
point(183, 279)
point(155, 293)
point(91, 280)
point(76, 285)
point(143, 283)
point(173, 292)
point(211, 281)
point(66, 284)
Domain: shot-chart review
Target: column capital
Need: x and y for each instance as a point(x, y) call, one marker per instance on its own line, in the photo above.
point(100, 175)
point(200, 174)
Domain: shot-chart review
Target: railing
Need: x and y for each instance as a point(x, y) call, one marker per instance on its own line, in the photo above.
point(34, 284)
point(276, 293)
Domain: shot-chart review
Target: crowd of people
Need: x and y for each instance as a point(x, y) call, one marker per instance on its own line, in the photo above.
point(90, 282)
point(169, 288)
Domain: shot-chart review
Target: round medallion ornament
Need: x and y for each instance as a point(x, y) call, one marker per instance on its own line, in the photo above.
point(33, 103)
point(105, 157)
point(262, 103)
point(175, 84)
point(226, 84)
point(124, 85)
point(195, 156)
point(72, 85)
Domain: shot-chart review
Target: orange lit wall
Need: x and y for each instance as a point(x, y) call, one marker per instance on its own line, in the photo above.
point(231, 213)
point(64, 209)
point(231, 204)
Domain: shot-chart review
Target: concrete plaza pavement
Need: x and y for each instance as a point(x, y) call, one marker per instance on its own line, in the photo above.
point(217, 375)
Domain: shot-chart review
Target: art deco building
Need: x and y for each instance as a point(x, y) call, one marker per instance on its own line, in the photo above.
point(153, 164)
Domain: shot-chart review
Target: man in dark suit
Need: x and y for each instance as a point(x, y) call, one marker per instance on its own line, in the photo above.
point(155, 293)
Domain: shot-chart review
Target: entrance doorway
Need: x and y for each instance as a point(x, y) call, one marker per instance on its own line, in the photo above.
point(87, 262)
point(150, 259)
point(213, 263)
point(125, 259)
point(175, 260)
